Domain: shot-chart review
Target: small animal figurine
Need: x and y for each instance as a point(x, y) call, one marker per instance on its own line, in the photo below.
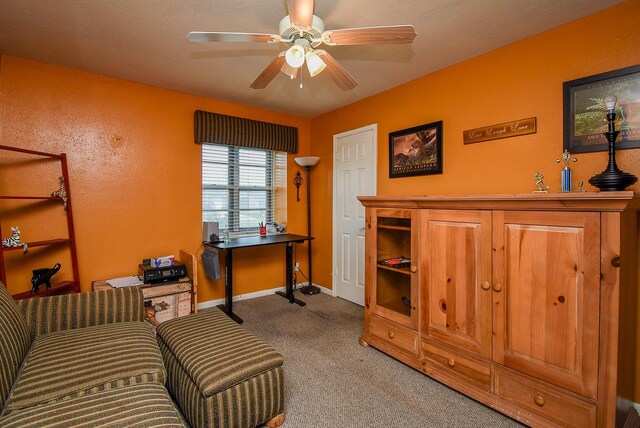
point(61, 193)
point(43, 276)
point(14, 240)
point(542, 188)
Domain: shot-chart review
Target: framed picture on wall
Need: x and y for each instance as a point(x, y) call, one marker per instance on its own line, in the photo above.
point(416, 151)
point(585, 112)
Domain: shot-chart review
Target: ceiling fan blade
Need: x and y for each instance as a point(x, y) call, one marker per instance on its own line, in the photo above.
point(370, 35)
point(203, 36)
point(269, 72)
point(300, 12)
point(341, 76)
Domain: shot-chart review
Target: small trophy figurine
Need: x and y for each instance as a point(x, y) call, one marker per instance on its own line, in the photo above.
point(566, 171)
point(542, 188)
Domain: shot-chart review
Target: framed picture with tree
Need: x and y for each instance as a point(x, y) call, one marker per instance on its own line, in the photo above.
point(416, 151)
point(585, 112)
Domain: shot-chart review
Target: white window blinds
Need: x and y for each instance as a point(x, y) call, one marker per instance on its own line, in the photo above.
point(242, 187)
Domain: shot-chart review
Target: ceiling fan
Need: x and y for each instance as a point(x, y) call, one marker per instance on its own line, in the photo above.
point(303, 32)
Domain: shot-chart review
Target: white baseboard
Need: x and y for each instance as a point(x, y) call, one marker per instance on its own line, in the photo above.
point(637, 407)
point(255, 294)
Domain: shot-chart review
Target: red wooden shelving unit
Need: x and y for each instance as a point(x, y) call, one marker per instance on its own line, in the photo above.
point(58, 287)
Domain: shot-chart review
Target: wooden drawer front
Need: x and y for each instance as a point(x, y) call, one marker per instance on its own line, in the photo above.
point(561, 408)
point(458, 365)
point(166, 289)
point(394, 334)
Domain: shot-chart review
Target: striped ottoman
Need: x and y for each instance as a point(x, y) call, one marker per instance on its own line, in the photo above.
point(219, 374)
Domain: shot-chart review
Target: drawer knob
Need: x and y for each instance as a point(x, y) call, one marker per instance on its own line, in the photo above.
point(451, 362)
point(391, 335)
point(414, 269)
point(539, 400)
point(485, 285)
point(497, 288)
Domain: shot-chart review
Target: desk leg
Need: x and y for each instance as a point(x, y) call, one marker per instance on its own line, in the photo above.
point(289, 294)
point(227, 308)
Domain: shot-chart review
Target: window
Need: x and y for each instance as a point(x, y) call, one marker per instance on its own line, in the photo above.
point(242, 187)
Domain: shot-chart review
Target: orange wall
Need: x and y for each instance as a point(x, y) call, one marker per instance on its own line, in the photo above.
point(518, 81)
point(135, 173)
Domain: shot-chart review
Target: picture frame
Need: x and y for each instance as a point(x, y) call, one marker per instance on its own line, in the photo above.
point(585, 112)
point(416, 151)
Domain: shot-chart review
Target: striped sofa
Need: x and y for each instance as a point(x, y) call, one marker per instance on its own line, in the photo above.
point(81, 360)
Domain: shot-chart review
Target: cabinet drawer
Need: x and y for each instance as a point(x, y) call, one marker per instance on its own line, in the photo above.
point(394, 334)
point(457, 365)
point(563, 409)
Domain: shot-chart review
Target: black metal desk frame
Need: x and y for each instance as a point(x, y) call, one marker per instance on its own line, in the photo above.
point(254, 241)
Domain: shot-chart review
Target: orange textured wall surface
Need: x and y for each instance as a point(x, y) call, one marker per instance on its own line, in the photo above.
point(518, 81)
point(135, 173)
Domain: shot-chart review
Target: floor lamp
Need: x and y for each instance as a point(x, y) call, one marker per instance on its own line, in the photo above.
point(307, 162)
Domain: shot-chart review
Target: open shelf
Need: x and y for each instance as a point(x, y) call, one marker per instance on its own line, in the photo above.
point(38, 198)
point(396, 305)
point(404, 270)
point(385, 226)
point(58, 288)
point(68, 243)
point(40, 244)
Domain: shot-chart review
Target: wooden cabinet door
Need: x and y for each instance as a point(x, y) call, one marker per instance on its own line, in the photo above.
point(456, 276)
point(546, 296)
point(393, 293)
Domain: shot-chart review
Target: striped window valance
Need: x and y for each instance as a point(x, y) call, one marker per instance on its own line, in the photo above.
point(237, 131)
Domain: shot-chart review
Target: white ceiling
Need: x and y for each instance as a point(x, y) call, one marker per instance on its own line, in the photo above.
point(145, 41)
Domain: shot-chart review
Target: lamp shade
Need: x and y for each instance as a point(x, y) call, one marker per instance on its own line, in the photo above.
point(295, 56)
point(307, 160)
point(314, 63)
point(289, 71)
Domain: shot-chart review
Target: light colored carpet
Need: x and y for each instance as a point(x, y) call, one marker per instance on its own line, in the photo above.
point(332, 381)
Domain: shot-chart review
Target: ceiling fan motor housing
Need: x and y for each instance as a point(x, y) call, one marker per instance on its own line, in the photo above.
point(312, 34)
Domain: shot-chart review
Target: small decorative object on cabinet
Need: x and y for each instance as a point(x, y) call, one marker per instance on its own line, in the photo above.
point(63, 285)
point(542, 188)
point(566, 173)
point(612, 178)
point(526, 303)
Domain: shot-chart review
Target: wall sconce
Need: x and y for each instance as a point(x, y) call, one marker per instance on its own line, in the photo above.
point(297, 181)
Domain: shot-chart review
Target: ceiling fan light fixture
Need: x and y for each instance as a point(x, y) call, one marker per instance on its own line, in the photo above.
point(314, 63)
point(289, 71)
point(295, 56)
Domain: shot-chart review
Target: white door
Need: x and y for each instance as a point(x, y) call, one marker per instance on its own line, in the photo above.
point(354, 174)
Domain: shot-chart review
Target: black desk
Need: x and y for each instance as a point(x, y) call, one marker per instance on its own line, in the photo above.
point(254, 241)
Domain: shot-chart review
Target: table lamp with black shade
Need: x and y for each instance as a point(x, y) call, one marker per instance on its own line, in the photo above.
point(612, 178)
point(308, 162)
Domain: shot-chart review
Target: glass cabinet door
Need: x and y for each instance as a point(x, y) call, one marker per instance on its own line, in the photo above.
point(395, 292)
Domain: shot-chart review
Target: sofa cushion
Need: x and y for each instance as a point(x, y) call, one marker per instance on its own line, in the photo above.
point(15, 341)
point(142, 405)
point(215, 351)
point(78, 362)
point(78, 310)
